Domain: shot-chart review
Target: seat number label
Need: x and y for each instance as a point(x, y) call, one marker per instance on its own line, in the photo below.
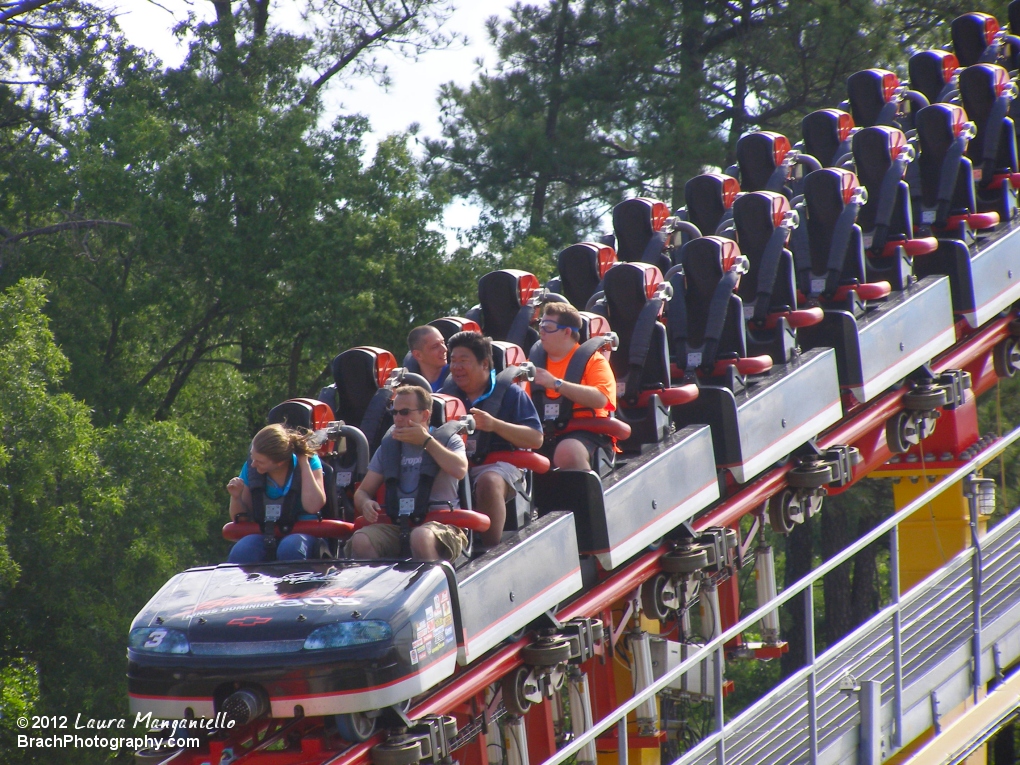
point(817, 286)
point(694, 359)
point(471, 446)
point(552, 411)
point(343, 478)
point(868, 239)
point(406, 506)
point(273, 512)
point(928, 216)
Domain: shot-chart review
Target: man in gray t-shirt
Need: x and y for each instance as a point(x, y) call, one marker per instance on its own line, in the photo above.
point(412, 410)
point(444, 487)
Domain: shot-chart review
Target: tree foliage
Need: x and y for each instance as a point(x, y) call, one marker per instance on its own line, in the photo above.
point(591, 100)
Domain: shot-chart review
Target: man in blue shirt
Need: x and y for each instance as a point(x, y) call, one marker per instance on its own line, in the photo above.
point(428, 348)
point(515, 424)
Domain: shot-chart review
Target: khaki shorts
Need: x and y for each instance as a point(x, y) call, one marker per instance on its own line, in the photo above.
point(509, 473)
point(385, 538)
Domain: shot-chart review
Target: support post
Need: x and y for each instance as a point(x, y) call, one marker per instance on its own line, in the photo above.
point(870, 700)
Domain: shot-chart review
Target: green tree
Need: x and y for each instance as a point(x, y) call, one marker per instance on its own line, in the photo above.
point(92, 522)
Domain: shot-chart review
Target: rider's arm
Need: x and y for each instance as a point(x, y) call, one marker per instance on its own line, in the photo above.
point(364, 497)
point(586, 395)
point(526, 430)
point(597, 389)
point(239, 502)
point(452, 462)
point(313, 496)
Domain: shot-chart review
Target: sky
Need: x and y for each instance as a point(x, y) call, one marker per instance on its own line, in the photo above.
point(410, 98)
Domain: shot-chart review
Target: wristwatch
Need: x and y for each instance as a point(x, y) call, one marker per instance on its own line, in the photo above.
point(557, 384)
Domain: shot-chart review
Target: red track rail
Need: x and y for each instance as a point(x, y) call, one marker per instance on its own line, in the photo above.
point(864, 428)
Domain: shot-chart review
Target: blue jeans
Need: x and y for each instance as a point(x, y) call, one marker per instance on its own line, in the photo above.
point(251, 549)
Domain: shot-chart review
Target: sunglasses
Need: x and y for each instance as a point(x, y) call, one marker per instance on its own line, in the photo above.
point(549, 326)
point(403, 412)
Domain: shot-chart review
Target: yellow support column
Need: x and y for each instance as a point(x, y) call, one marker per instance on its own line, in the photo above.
point(928, 539)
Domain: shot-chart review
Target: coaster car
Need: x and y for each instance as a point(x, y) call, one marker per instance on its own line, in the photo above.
point(759, 412)
point(881, 158)
point(984, 281)
point(768, 291)
point(877, 341)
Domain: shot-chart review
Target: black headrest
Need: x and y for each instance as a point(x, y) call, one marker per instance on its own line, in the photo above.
point(758, 155)
point(824, 131)
point(626, 290)
point(980, 85)
point(293, 414)
point(936, 129)
point(703, 262)
point(505, 354)
point(756, 215)
point(868, 91)
point(930, 71)
point(1014, 16)
point(972, 33)
point(826, 193)
point(632, 222)
point(874, 149)
point(356, 374)
point(449, 326)
point(579, 272)
point(500, 293)
point(708, 196)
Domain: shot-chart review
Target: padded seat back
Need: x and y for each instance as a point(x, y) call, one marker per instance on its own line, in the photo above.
point(708, 198)
point(972, 34)
point(875, 149)
point(358, 373)
point(638, 226)
point(581, 268)
point(506, 354)
point(756, 216)
point(873, 97)
point(593, 325)
point(931, 73)
point(505, 310)
point(981, 87)
point(446, 409)
point(826, 134)
point(629, 287)
point(826, 193)
point(308, 413)
point(758, 156)
point(449, 326)
point(938, 126)
point(705, 261)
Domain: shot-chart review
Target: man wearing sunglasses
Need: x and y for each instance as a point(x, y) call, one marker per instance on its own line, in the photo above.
point(592, 395)
point(412, 410)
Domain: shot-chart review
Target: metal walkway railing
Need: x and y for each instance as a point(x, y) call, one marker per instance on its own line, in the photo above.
point(918, 658)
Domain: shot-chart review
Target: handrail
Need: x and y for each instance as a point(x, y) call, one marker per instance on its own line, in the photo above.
point(716, 645)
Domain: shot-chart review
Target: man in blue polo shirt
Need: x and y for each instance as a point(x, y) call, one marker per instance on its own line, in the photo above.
point(428, 348)
point(515, 424)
